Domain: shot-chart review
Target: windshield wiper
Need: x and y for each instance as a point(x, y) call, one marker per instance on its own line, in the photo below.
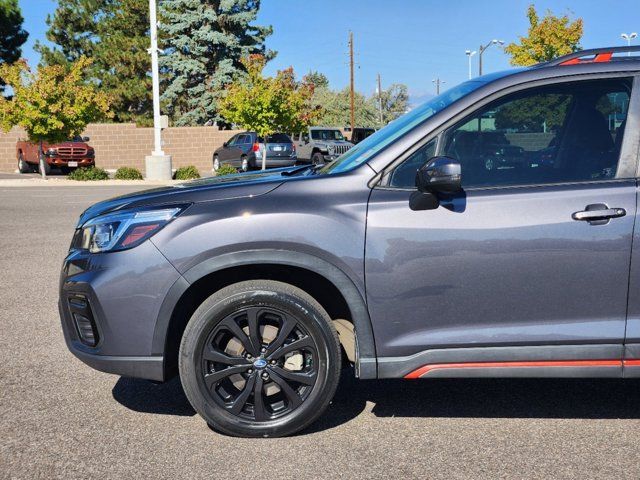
point(296, 171)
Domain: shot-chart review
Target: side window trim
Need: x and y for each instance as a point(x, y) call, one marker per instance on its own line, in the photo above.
point(629, 162)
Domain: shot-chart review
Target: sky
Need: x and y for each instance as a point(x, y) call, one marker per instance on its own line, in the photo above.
point(405, 41)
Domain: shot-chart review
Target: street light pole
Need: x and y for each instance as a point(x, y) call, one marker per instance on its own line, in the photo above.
point(483, 48)
point(157, 165)
point(470, 54)
point(628, 37)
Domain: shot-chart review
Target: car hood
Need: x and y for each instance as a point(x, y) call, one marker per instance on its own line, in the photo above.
point(205, 189)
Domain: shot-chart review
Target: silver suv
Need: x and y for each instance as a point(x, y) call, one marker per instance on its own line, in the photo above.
point(320, 144)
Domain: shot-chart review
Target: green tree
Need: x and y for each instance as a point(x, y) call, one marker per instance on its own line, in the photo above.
point(395, 101)
point(336, 108)
point(53, 104)
point(319, 80)
point(115, 35)
point(12, 36)
point(268, 105)
point(546, 39)
point(205, 43)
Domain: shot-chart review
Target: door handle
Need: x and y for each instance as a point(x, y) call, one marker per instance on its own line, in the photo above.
point(598, 214)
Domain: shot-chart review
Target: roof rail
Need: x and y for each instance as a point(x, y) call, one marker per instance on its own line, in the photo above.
point(595, 55)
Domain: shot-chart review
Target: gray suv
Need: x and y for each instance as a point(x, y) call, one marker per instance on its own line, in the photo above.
point(410, 256)
point(244, 152)
point(320, 145)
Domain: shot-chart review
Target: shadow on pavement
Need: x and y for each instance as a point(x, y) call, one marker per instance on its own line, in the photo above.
point(451, 398)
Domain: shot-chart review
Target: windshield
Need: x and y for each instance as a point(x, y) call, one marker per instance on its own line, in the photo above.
point(385, 136)
point(327, 135)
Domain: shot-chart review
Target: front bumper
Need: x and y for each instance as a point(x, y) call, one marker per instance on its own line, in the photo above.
point(123, 292)
point(64, 162)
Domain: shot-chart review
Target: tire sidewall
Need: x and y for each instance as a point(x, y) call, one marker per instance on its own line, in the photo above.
point(205, 319)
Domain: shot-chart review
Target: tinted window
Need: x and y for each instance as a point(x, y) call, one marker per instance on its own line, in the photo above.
point(278, 138)
point(243, 139)
point(566, 133)
point(327, 135)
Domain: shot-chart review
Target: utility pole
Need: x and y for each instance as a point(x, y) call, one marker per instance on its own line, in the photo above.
point(352, 91)
point(157, 165)
point(437, 82)
point(380, 100)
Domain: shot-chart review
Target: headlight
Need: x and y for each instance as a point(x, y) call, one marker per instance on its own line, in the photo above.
point(122, 230)
point(51, 152)
point(91, 153)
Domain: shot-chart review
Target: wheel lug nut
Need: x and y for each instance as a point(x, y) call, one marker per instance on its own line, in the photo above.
point(250, 371)
point(262, 350)
point(273, 362)
point(265, 376)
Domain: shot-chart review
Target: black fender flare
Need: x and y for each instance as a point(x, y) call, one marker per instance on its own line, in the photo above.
point(366, 364)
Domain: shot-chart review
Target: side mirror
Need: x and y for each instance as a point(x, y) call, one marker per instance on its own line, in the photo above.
point(85, 139)
point(225, 144)
point(440, 175)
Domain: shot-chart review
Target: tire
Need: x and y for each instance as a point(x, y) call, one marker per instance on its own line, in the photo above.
point(23, 165)
point(221, 384)
point(317, 159)
point(244, 165)
point(216, 163)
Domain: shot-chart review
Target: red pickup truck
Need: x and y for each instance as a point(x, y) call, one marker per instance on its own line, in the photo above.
point(66, 155)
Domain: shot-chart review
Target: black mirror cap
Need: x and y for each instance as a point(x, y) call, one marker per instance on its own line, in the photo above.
point(440, 175)
point(85, 139)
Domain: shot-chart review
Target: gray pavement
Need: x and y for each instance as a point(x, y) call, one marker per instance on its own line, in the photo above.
point(60, 419)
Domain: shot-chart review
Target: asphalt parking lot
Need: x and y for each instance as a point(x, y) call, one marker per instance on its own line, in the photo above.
point(60, 419)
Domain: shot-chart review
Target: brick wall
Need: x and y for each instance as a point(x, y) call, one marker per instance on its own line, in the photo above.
point(124, 144)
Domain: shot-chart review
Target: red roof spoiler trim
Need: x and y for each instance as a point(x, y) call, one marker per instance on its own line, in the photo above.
point(599, 58)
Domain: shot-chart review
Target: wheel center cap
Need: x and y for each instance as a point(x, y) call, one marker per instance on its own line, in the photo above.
point(260, 363)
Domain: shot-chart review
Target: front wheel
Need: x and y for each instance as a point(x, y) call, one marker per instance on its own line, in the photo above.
point(259, 359)
point(216, 163)
point(317, 159)
point(245, 164)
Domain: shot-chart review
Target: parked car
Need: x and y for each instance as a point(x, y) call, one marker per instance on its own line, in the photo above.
point(66, 156)
point(244, 152)
point(406, 255)
point(320, 145)
point(358, 134)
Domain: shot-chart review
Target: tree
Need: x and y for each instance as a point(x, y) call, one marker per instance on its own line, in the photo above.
point(12, 36)
point(115, 35)
point(395, 101)
point(319, 80)
point(336, 108)
point(206, 41)
point(268, 105)
point(54, 104)
point(547, 39)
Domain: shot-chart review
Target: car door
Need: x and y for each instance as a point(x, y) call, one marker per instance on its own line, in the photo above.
point(303, 146)
point(224, 154)
point(519, 258)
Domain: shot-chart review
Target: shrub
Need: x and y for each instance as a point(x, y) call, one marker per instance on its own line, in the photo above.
point(128, 173)
point(226, 170)
point(91, 173)
point(187, 173)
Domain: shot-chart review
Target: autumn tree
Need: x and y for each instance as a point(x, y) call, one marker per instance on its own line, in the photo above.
point(268, 105)
point(546, 39)
point(53, 104)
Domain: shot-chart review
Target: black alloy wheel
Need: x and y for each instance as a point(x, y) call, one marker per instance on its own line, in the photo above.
point(260, 358)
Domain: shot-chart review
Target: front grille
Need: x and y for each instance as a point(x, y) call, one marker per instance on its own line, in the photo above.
point(72, 152)
point(340, 149)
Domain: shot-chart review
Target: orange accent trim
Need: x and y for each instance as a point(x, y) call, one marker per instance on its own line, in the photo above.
point(599, 58)
point(631, 363)
point(547, 363)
